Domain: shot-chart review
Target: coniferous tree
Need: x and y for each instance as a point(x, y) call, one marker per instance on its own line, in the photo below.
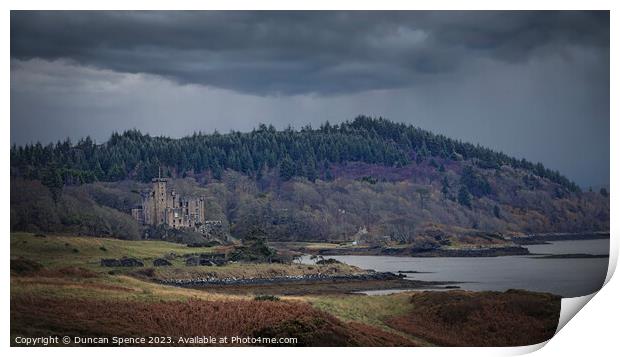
point(287, 169)
point(445, 188)
point(464, 197)
point(52, 179)
point(496, 211)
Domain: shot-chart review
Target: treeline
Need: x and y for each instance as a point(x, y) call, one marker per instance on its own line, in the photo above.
point(307, 152)
point(82, 210)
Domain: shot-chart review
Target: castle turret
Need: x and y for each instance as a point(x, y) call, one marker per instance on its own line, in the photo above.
point(159, 199)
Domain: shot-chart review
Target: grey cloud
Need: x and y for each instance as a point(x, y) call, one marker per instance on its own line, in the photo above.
point(532, 84)
point(547, 110)
point(290, 53)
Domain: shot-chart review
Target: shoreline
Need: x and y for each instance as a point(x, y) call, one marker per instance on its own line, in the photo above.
point(570, 256)
point(308, 284)
point(406, 252)
point(517, 247)
point(545, 238)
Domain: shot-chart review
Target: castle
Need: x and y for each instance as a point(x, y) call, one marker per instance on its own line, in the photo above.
point(163, 206)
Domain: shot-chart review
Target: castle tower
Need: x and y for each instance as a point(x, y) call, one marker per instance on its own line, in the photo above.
point(159, 199)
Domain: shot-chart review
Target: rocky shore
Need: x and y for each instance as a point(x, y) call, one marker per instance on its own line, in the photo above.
point(316, 284)
point(309, 278)
point(474, 252)
point(545, 238)
point(408, 252)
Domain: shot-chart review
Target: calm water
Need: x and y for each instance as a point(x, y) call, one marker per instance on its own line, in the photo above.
point(565, 277)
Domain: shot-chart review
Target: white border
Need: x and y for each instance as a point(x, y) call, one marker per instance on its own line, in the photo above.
point(592, 331)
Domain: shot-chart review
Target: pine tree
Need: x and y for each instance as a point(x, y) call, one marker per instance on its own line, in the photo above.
point(287, 169)
point(496, 211)
point(464, 197)
point(445, 188)
point(52, 179)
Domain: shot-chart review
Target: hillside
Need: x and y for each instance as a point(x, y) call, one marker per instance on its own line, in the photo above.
point(367, 180)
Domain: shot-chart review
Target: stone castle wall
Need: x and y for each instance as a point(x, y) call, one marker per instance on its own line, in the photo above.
point(164, 206)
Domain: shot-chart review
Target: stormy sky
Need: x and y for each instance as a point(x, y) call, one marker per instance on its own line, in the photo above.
point(531, 84)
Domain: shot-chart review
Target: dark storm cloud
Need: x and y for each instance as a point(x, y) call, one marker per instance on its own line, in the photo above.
point(531, 84)
point(302, 52)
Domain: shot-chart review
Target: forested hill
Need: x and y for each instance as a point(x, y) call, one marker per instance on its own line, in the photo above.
point(305, 153)
point(367, 179)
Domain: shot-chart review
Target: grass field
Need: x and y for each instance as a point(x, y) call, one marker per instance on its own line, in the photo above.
point(59, 288)
point(67, 290)
point(87, 252)
point(370, 310)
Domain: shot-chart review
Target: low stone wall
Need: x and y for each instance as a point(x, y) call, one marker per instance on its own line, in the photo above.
point(123, 262)
point(280, 279)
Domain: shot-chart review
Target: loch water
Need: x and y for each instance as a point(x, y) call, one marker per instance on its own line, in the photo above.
point(567, 277)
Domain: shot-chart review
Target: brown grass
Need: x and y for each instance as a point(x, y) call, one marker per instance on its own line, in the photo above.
point(25, 268)
point(34, 316)
point(459, 318)
point(59, 283)
point(68, 272)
